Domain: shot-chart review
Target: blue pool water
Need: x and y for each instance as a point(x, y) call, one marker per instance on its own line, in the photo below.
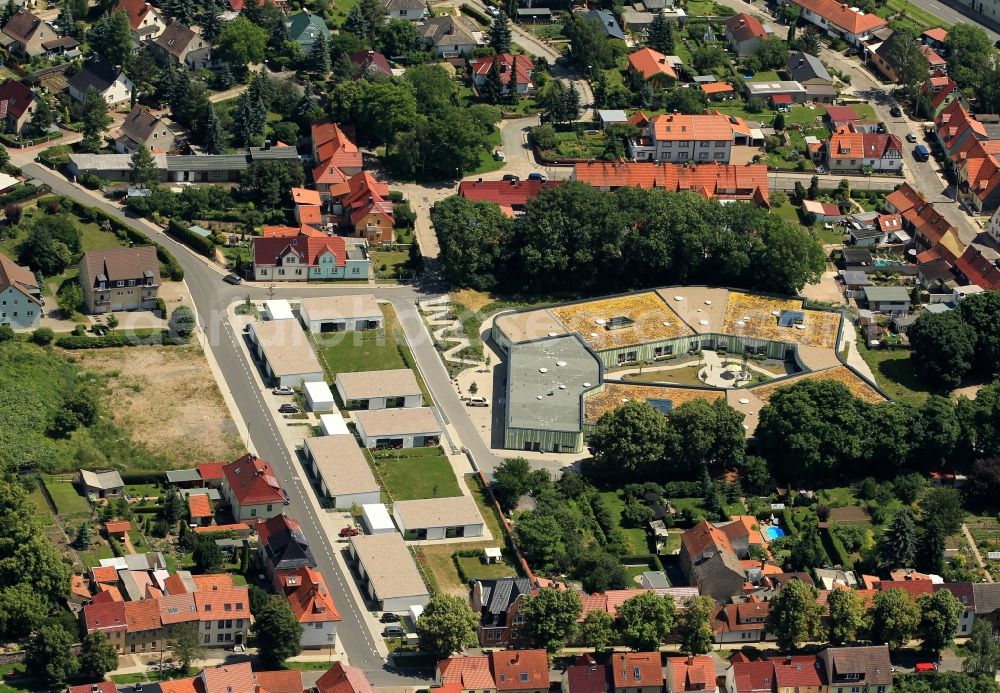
point(774, 533)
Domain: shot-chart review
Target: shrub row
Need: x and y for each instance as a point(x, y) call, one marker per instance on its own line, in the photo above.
point(22, 192)
point(471, 11)
point(835, 549)
point(182, 233)
point(116, 340)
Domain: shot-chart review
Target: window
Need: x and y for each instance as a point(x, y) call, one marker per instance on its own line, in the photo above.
point(131, 282)
point(317, 626)
point(219, 637)
point(253, 513)
point(227, 607)
point(239, 607)
point(703, 144)
point(268, 507)
point(208, 607)
point(239, 623)
point(119, 283)
point(524, 677)
point(222, 624)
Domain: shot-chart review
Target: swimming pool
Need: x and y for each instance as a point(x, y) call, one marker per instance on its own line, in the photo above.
point(774, 532)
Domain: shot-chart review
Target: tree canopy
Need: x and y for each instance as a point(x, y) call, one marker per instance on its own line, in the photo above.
point(447, 625)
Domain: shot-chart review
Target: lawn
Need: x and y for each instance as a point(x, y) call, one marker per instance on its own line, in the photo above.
point(416, 473)
point(390, 264)
point(93, 557)
point(43, 512)
point(765, 76)
point(67, 499)
point(369, 350)
point(917, 16)
point(475, 567)
point(635, 537)
point(788, 212)
point(484, 501)
point(707, 8)
point(894, 374)
point(679, 376)
point(487, 162)
point(551, 31)
point(578, 145)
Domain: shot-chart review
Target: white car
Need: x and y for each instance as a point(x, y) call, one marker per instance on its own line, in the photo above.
point(499, 155)
point(494, 12)
point(283, 390)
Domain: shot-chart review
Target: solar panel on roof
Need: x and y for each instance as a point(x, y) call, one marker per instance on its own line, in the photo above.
point(664, 406)
point(788, 318)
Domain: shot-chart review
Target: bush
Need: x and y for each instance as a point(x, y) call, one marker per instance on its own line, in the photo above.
point(6, 333)
point(161, 307)
point(182, 322)
point(199, 244)
point(75, 341)
point(544, 137)
point(471, 11)
point(89, 180)
point(43, 336)
point(22, 192)
point(636, 515)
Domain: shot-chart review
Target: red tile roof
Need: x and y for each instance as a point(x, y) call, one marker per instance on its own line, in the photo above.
point(481, 67)
point(142, 615)
point(744, 27)
point(371, 61)
point(707, 126)
point(843, 16)
point(341, 678)
point(136, 11)
point(798, 671)
point(841, 114)
point(515, 670)
point(101, 687)
point(199, 505)
point(180, 686)
point(978, 270)
point(650, 64)
point(933, 59)
point(309, 214)
point(904, 198)
point(117, 526)
point(754, 677)
point(333, 148)
point(233, 602)
point(211, 470)
point(937, 34)
point(174, 585)
point(468, 672)
point(888, 223)
point(504, 193)
point(328, 174)
point(634, 669)
point(727, 182)
point(251, 479)
point(691, 673)
point(228, 678)
point(703, 536)
point(312, 602)
point(106, 617)
point(265, 250)
point(284, 681)
point(845, 144)
point(208, 582)
point(18, 97)
point(107, 594)
point(291, 232)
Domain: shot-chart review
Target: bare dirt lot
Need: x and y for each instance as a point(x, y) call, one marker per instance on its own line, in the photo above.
point(167, 398)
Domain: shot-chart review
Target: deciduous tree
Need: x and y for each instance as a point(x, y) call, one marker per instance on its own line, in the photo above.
point(98, 655)
point(49, 654)
point(550, 618)
point(795, 615)
point(645, 620)
point(278, 632)
point(694, 625)
point(939, 615)
point(447, 625)
point(847, 616)
point(597, 631)
point(894, 618)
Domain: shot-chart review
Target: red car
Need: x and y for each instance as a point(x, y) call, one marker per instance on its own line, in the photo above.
point(349, 532)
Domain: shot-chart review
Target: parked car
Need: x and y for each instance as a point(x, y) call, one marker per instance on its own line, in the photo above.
point(494, 12)
point(232, 279)
point(910, 137)
point(389, 617)
point(288, 409)
point(350, 531)
point(511, 177)
point(477, 402)
point(535, 175)
point(921, 153)
point(499, 155)
point(896, 112)
point(393, 632)
point(282, 390)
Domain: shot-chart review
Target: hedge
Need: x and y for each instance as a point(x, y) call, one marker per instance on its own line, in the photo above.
point(56, 156)
point(143, 477)
point(116, 340)
point(182, 233)
point(471, 11)
point(835, 549)
point(22, 192)
point(788, 520)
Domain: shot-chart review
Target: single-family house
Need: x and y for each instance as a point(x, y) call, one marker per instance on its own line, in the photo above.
point(370, 63)
point(652, 65)
point(341, 678)
point(840, 21)
point(858, 667)
point(305, 28)
point(143, 130)
point(411, 427)
point(312, 605)
point(954, 126)
point(106, 78)
point(744, 676)
point(331, 147)
point(964, 593)
point(936, 93)
point(341, 471)
point(396, 387)
point(413, 10)
point(742, 622)
point(283, 547)
point(18, 102)
point(450, 36)
point(883, 57)
point(710, 563)
point(514, 69)
point(119, 279)
point(586, 676)
point(466, 675)
point(692, 673)
point(387, 573)
point(887, 299)
point(27, 32)
point(810, 72)
point(180, 45)
point(284, 349)
point(145, 20)
point(824, 212)
point(636, 672)
point(744, 32)
point(348, 313)
point(802, 673)
point(21, 296)
point(848, 150)
point(367, 209)
point(251, 489)
point(781, 95)
point(636, 21)
point(608, 23)
point(309, 257)
point(438, 518)
point(498, 604)
point(520, 671)
point(101, 687)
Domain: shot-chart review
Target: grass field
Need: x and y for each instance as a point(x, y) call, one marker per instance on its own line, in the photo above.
point(680, 376)
point(43, 512)
point(635, 537)
point(476, 567)
point(416, 473)
point(916, 16)
point(487, 162)
point(394, 262)
point(894, 374)
point(97, 551)
point(371, 350)
point(67, 499)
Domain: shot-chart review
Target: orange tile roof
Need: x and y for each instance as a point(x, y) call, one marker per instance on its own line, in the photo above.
point(199, 505)
point(692, 673)
point(228, 678)
point(284, 681)
point(703, 536)
point(341, 678)
point(222, 603)
point(333, 147)
point(234, 527)
point(468, 672)
point(683, 127)
point(798, 671)
point(291, 232)
point(174, 585)
point(108, 594)
point(718, 88)
point(846, 144)
point(843, 16)
point(744, 27)
point(728, 182)
point(142, 615)
point(79, 586)
point(104, 573)
point(937, 34)
point(904, 198)
point(743, 526)
point(179, 686)
point(312, 602)
point(117, 526)
point(520, 669)
point(328, 174)
point(650, 64)
point(305, 196)
point(177, 608)
point(309, 214)
point(636, 669)
point(209, 582)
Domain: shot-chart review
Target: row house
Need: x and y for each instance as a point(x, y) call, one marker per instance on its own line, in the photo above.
point(838, 20)
point(743, 622)
point(848, 150)
point(510, 195)
point(283, 547)
point(501, 671)
point(954, 126)
point(977, 170)
point(680, 138)
point(800, 673)
point(746, 183)
point(937, 92)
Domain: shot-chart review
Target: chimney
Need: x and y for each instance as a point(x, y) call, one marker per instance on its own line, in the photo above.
point(802, 61)
point(788, 659)
point(690, 661)
point(517, 658)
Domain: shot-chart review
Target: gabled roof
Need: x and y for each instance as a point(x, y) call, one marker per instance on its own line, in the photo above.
point(840, 114)
point(18, 97)
point(341, 678)
point(291, 231)
point(468, 672)
point(107, 617)
point(20, 278)
point(754, 677)
point(332, 146)
point(211, 470)
point(306, 25)
point(846, 144)
point(328, 174)
point(499, 594)
point(722, 181)
point(140, 124)
point(117, 526)
point(843, 16)
point(743, 27)
point(136, 11)
point(936, 34)
point(587, 676)
point(707, 126)
point(224, 602)
point(101, 687)
point(520, 669)
point(265, 250)
point(97, 73)
point(962, 591)
point(228, 678)
point(650, 64)
point(106, 481)
point(305, 196)
point(482, 66)
point(691, 673)
point(312, 602)
point(142, 615)
point(252, 481)
point(372, 61)
point(871, 662)
point(115, 264)
point(803, 66)
point(904, 198)
point(633, 669)
point(177, 608)
point(608, 22)
point(176, 38)
point(199, 505)
point(281, 681)
point(450, 30)
point(284, 543)
point(22, 25)
point(507, 194)
point(798, 671)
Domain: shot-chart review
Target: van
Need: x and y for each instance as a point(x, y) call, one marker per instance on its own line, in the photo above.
point(921, 153)
point(477, 402)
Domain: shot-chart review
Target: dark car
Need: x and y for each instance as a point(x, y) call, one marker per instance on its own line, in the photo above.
point(232, 279)
point(393, 632)
point(389, 617)
point(896, 112)
point(535, 175)
point(511, 177)
point(288, 409)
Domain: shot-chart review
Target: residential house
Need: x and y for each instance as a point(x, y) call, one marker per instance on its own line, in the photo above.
point(963, 592)
point(847, 150)
point(810, 72)
point(143, 130)
point(747, 183)
point(388, 389)
point(839, 116)
point(107, 79)
point(101, 687)
point(742, 622)
point(341, 678)
point(18, 102)
point(710, 563)
point(744, 676)
point(935, 38)
point(305, 28)
point(689, 674)
point(367, 209)
point(801, 673)
point(107, 618)
point(312, 605)
point(652, 66)
point(512, 68)
point(781, 95)
point(341, 471)
point(438, 518)
point(180, 45)
point(987, 602)
point(252, 490)
point(387, 575)
point(510, 195)
point(450, 36)
point(744, 32)
point(465, 674)
point(498, 604)
point(331, 147)
point(978, 174)
point(936, 93)
point(954, 126)
point(370, 63)
point(119, 279)
point(20, 296)
point(101, 484)
point(520, 671)
point(636, 21)
point(307, 257)
point(27, 32)
point(903, 199)
point(412, 10)
point(861, 668)
point(608, 23)
point(680, 138)
point(636, 672)
point(145, 20)
point(227, 678)
point(224, 615)
point(840, 21)
point(586, 676)
point(823, 212)
point(354, 313)
point(283, 547)
point(284, 348)
point(411, 427)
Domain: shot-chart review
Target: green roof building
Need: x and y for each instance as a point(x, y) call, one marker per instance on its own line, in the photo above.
point(304, 28)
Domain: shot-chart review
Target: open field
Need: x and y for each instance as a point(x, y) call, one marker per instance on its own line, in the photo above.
point(416, 473)
point(169, 400)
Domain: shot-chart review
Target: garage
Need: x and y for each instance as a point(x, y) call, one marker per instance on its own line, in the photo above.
point(332, 314)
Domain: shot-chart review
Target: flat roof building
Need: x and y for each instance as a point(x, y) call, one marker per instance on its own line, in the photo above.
point(387, 572)
point(333, 424)
point(341, 471)
point(377, 519)
point(288, 357)
point(438, 518)
point(318, 396)
point(278, 309)
point(387, 389)
point(403, 428)
point(341, 313)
